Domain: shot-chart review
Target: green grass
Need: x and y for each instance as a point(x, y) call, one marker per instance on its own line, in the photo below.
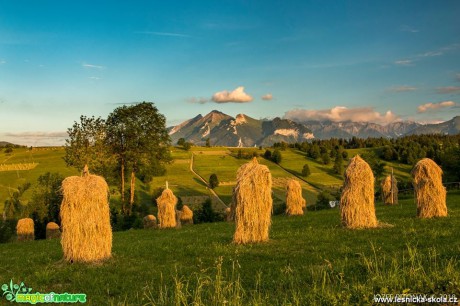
point(309, 260)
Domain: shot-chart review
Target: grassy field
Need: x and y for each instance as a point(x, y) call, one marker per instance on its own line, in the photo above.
point(309, 260)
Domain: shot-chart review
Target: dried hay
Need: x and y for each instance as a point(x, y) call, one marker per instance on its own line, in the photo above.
point(390, 190)
point(85, 219)
point(52, 231)
point(357, 201)
point(150, 222)
point(430, 194)
point(167, 209)
point(294, 200)
point(25, 229)
point(187, 215)
point(253, 203)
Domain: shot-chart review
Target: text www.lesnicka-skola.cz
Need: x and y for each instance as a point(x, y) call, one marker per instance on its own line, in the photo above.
point(415, 298)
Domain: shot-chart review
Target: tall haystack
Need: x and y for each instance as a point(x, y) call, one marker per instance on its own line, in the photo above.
point(390, 190)
point(253, 203)
point(52, 231)
point(85, 219)
point(294, 200)
point(167, 209)
point(150, 222)
point(357, 202)
point(25, 229)
point(187, 215)
point(430, 194)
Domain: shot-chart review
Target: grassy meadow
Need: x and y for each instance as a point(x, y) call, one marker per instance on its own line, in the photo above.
point(309, 260)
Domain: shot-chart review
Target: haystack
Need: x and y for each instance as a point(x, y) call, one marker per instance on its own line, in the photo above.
point(150, 222)
point(357, 202)
point(25, 229)
point(187, 215)
point(253, 203)
point(167, 209)
point(430, 194)
point(294, 200)
point(52, 231)
point(85, 219)
point(390, 190)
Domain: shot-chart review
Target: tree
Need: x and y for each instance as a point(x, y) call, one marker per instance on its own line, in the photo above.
point(325, 158)
point(137, 136)
point(181, 141)
point(338, 164)
point(276, 156)
point(213, 181)
point(268, 154)
point(208, 142)
point(306, 170)
point(85, 146)
point(314, 151)
point(377, 166)
point(187, 145)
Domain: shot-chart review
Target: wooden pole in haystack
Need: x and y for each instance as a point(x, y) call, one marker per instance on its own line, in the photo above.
point(357, 201)
point(85, 218)
point(25, 229)
point(430, 193)
point(253, 203)
point(294, 200)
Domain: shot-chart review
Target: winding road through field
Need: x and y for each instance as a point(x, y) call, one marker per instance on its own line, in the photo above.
point(206, 183)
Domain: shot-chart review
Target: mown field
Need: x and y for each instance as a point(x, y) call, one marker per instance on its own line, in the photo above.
point(309, 260)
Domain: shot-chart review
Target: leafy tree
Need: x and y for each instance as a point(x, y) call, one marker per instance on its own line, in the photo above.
point(213, 181)
point(306, 170)
point(208, 142)
point(325, 158)
point(322, 201)
point(187, 145)
point(338, 164)
point(314, 151)
point(276, 156)
point(206, 213)
point(344, 154)
point(268, 154)
point(137, 136)
point(377, 166)
point(8, 150)
point(181, 141)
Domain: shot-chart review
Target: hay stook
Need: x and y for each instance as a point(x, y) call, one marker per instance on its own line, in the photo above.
point(390, 190)
point(52, 231)
point(187, 215)
point(150, 222)
point(25, 229)
point(166, 203)
point(294, 200)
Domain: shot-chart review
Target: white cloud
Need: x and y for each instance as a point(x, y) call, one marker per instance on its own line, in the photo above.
point(449, 90)
point(267, 97)
point(403, 88)
point(434, 106)
point(342, 113)
point(197, 100)
point(86, 65)
point(404, 62)
point(237, 96)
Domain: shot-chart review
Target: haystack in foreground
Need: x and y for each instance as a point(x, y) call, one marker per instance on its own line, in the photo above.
point(85, 219)
point(150, 222)
point(187, 215)
point(52, 231)
point(253, 203)
point(25, 229)
point(357, 201)
point(294, 200)
point(166, 203)
point(390, 190)
point(430, 194)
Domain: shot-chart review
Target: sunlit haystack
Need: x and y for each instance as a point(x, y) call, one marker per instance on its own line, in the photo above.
point(430, 194)
point(52, 231)
point(357, 201)
point(167, 209)
point(294, 200)
point(253, 203)
point(25, 229)
point(85, 219)
point(150, 222)
point(390, 190)
point(187, 215)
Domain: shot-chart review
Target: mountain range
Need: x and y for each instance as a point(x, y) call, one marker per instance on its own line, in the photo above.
point(244, 131)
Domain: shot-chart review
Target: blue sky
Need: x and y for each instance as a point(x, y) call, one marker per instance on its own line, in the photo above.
point(376, 61)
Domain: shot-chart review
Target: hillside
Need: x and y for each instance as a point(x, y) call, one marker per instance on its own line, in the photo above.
point(309, 260)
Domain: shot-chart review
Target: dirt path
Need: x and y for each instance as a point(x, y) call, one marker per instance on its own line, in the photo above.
point(206, 183)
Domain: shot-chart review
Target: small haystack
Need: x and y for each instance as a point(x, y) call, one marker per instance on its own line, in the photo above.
point(52, 231)
point(85, 219)
point(357, 202)
point(150, 222)
point(253, 203)
point(390, 190)
point(25, 229)
point(294, 200)
point(167, 209)
point(187, 215)
point(430, 194)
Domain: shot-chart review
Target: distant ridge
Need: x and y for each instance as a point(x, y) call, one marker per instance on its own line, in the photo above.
point(244, 131)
